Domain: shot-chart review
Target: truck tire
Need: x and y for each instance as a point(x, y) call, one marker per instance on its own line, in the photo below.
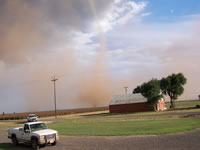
point(53, 144)
point(34, 144)
point(14, 140)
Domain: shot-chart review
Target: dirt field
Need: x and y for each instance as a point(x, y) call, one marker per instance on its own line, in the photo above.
point(50, 113)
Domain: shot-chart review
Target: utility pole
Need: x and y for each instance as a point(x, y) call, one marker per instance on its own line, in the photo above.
point(54, 81)
point(125, 90)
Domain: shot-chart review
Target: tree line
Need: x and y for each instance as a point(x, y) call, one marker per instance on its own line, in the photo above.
point(155, 89)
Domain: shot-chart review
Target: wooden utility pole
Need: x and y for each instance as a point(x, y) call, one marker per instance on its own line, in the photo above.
point(54, 81)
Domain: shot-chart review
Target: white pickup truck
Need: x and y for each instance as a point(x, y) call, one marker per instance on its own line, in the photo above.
point(34, 133)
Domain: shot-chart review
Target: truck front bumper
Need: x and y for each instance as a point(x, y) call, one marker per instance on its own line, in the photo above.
point(47, 140)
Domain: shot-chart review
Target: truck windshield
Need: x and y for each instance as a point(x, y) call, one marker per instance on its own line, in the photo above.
point(38, 126)
point(32, 116)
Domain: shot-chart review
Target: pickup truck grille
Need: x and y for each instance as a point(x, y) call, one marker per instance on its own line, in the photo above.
point(51, 136)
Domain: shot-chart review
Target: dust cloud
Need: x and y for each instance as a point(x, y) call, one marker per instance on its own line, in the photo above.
point(21, 35)
point(184, 55)
point(97, 82)
point(35, 46)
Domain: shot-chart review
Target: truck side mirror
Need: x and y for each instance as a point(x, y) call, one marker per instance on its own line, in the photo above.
point(26, 131)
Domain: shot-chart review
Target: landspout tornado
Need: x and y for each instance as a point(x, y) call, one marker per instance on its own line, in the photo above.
point(98, 91)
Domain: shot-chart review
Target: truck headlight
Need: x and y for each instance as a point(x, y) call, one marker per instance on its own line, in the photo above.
point(42, 137)
point(57, 137)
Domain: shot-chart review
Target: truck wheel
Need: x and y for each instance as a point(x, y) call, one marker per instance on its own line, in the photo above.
point(53, 144)
point(14, 140)
point(35, 145)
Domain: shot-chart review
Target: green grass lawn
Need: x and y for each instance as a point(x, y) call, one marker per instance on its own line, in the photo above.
point(118, 127)
point(9, 124)
point(9, 146)
point(181, 104)
point(127, 124)
point(123, 124)
point(145, 113)
point(6, 147)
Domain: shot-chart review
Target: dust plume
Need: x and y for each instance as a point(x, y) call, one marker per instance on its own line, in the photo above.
point(97, 82)
point(180, 55)
point(29, 59)
point(184, 57)
point(20, 32)
point(35, 44)
point(38, 88)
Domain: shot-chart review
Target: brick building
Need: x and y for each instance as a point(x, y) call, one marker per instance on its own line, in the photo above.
point(132, 103)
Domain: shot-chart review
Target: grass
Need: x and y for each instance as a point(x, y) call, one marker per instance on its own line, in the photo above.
point(129, 124)
point(119, 127)
point(180, 104)
point(145, 113)
point(9, 125)
point(6, 146)
point(9, 146)
point(107, 124)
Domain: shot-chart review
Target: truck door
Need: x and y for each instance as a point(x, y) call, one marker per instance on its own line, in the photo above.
point(26, 133)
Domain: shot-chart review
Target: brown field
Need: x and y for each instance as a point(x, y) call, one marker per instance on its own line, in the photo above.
point(50, 113)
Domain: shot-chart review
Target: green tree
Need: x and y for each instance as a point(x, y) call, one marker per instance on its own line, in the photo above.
point(150, 90)
point(173, 86)
point(137, 89)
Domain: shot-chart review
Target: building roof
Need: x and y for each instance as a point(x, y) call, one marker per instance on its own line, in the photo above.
point(128, 99)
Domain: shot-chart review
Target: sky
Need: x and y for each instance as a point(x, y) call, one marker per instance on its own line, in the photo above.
point(95, 48)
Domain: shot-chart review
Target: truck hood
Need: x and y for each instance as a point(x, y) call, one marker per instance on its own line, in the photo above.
point(45, 132)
